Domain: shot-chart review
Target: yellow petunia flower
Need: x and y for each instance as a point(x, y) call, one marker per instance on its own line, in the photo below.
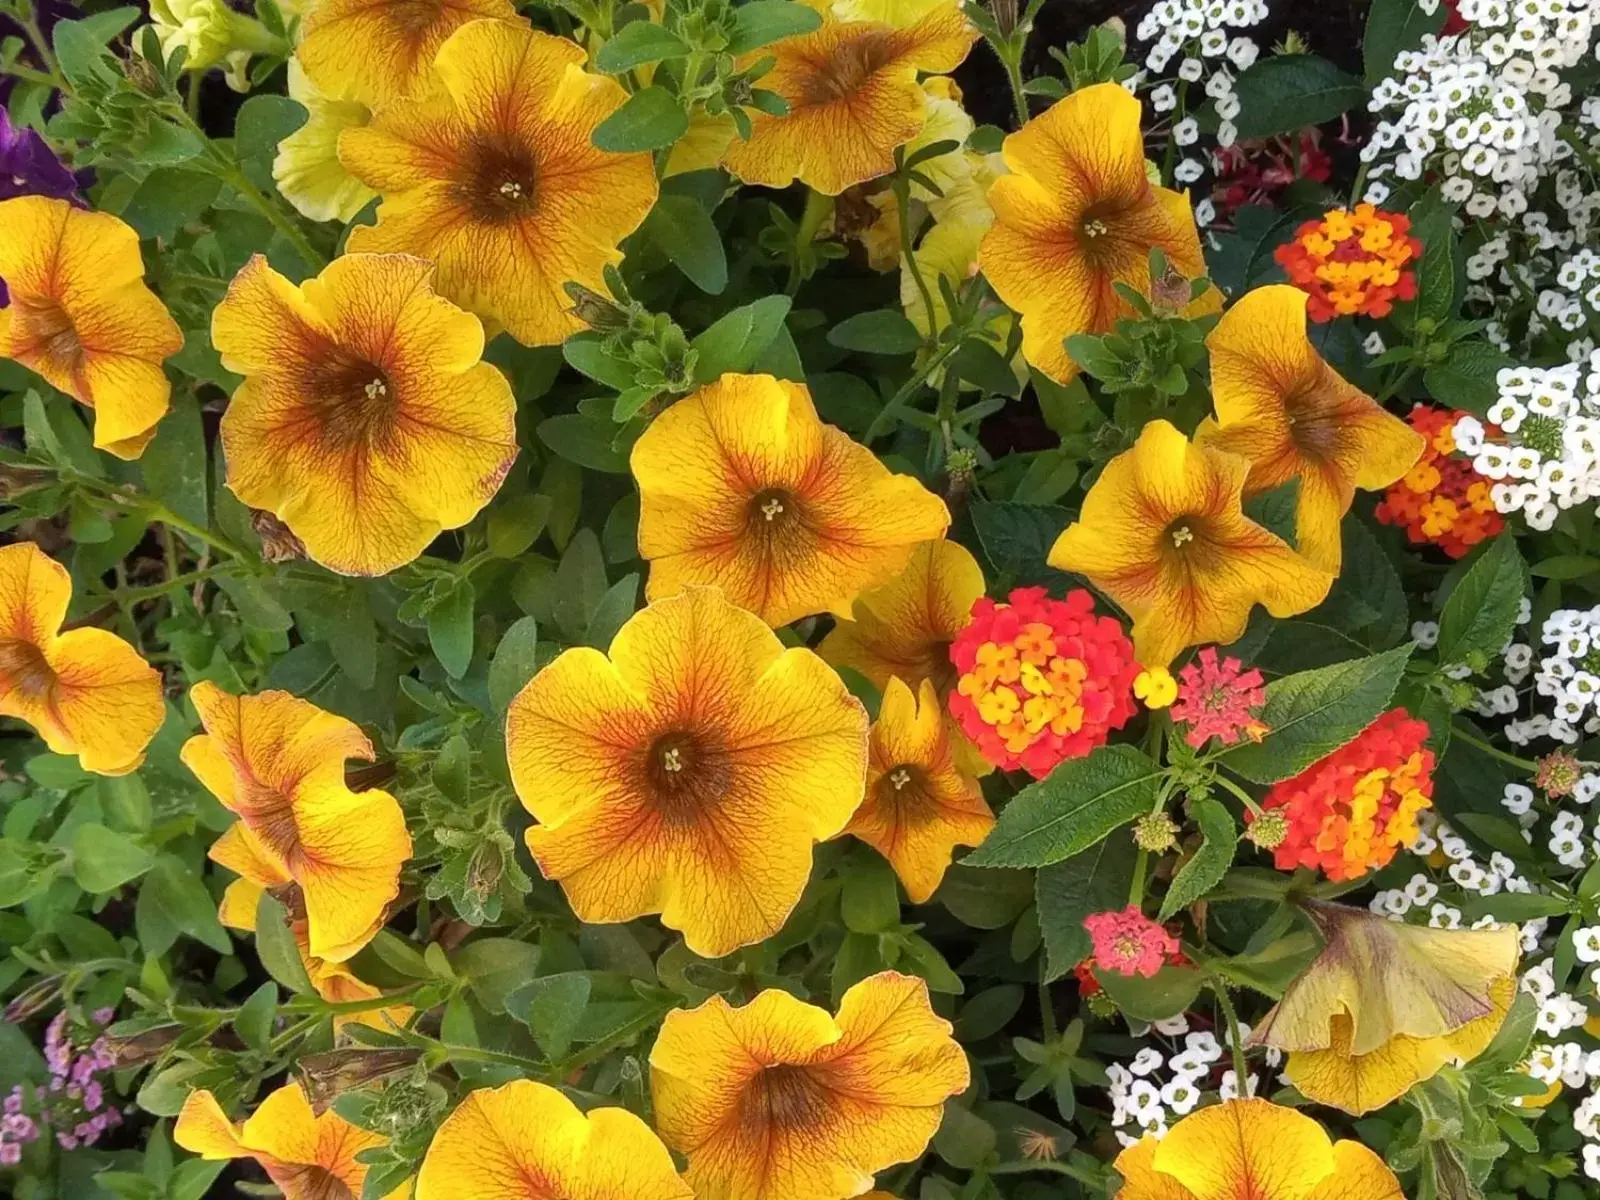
point(278, 762)
point(378, 52)
point(905, 627)
point(366, 421)
point(853, 97)
point(922, 801)
point(689, 773)
point(308, 1157)
point(81, 316)
point(490, 172)
point(740, 485)
point(1386, 1005)
point(307, 169)
point(1255, 1149)
point(528, 1140)
point(86, 691)
point(1076, 215)
point(1162, 532)
point(1282, 407)
point(779, 1100)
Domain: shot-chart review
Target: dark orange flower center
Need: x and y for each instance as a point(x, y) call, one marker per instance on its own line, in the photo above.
point(1102, 229)
point(300, 1181)
point(268, 814)
point(412, 18)
point(686, 773)
point(848, 68)
point(356, 400)
point(1314, 430)
point(774, 518)
point(25, 670)
point(46, 325)
point(498, 179)
point(903, 790)
point(783, 1097)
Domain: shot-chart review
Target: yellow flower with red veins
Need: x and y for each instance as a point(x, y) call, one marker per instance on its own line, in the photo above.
point(374, 53)
point(306, 168)
point(1255, 1149)
point(904, 628)
point(1386, 1005)
point(1076, 215)
point(1355, 262)
point(689, 773)
point(86, 691)
point(741, 486)
point(366, 421)
point(81, 316)
point(308, 1157)
point(1163, 533)
point(779, 1100)
point(526, 1140)
point(1280, 405)
point(489, 171)
point(853, 98)
point(921, 801)
point(278, 762)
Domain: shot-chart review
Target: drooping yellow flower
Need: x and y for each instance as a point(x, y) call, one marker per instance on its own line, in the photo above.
point(779, 1100)
point(1282, 407)
point(905, 627)
point(375, 53)
point(307, 169)
point(278, 762)
point(1076, 215)
point(1386, 1005)
point(853, 97)
point(366, 421)
point(307, 1156)
point(689, 773)
point(740, 485)
point(921, 801)
point(86, 691)
point(526, 1141)
point(1252, 1150)
point(1163, 534)
point(489, 171)
point(81, 316)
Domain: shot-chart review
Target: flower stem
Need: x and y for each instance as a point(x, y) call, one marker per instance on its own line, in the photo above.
point(898, 400)
point(1225, 1002)
point(1244, 796)
point(819, 207)
point(1478, 743)
point(902, 204)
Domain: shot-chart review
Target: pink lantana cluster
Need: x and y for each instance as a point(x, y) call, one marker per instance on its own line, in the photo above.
point(1219, 698)
point(74, 1103)
point(1128, 942)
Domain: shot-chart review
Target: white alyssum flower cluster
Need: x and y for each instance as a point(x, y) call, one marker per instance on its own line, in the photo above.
point(1569, 675)
point(1160, 1085)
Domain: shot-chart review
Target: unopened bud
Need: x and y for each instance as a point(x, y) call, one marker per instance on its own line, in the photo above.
point(1155, 832)
point(962, 469)
point(598, 312)
point(142, 74)
point(1170, 292)
point(1268, 830)
point(278, 542)
point(326, 1077)
point(1102, 1005)
point(33, 1000)
point(485, 870)
point(1005, 13)
point(1558, 774)
point(136, 1049)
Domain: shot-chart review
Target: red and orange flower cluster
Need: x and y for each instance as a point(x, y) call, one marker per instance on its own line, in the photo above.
point(1442, 499)
point(1352, 262)
point(1041, 680)
point(1348, 813)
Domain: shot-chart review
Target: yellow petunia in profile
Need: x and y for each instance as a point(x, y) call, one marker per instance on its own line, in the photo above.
point(86, 691)
point(905, 627)
point(1386, 1005)
point(853, 97)
point(777, 1099)
point(367, 422)
point(306, 168)
point(689, 773)
point(308, 1157)
point(278, 762)
point(1282, 407)
point(922, 801)
point(741, 486)
point(528, 1140)
point(1162, 532)
point(1078, 214)
point(489, 171)
point(81, 316)
point(1252, 1149)
point(377, 52)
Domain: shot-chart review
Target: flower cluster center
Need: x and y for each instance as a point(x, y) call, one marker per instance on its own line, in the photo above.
point(1023, 686)
point(1356, 261)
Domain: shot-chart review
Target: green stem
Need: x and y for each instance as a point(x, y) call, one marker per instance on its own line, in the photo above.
point(41, 47)
point(1047, 1008)
point(1141, 866)
point(19, 71)
point(1225, 1002)
point(1011, 59)
point(818, 209)
point(902, 203)
point(1398, 382)
point(898, 400)
point(1049, 1167)
point(561, 1071)
point(156, 590)
point(1244, 796)
point(1478, 743)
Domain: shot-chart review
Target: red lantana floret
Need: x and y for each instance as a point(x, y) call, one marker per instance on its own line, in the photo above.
point(1352, 262)
point(1350, 812)
point(1041, 680)
point(1441, 500)
point(1219, 698)
point(1128, 942)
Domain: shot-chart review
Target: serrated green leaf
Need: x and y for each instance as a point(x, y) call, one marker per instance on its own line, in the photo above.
point(1282, 93)
point(1481, 613)
point(1219, 839)
point(1068, 891)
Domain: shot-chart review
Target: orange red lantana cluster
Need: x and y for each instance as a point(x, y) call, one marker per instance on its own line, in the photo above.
point(1041, 680)
point(1352, 262)
point(1441, 499)
point(1349, 812)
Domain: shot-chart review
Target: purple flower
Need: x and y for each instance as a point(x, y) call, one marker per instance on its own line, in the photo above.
point(28, 167)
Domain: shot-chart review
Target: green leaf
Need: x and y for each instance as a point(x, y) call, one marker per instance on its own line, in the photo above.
point(263, 122)
point(174, 464)
point(1068, 891)
point(169, 199)
point(615, 607)
point(1466, 379)
point(277, 949)
point(1165, 994)
point(552, 1006)
point(652, 119)
point(586, 352)
point(1016, 539)
point(514, 662)
point(1079, 803)
point(1393, 26)
point(1481, 612)
point(1433, 223)
point(1219, 839)
point(80, 46)
point(762, 22)
point(869, 896)
point(253, 1021)
point(637, 44)
point(882, 331)
point(585, 440)
point(450, 628)
point(173, 901)
point(1313, 713)
point(494, 968)
point(685, 232)
point(103, 860)
point(736, 340)
point(516, 523)
point(1282, 93)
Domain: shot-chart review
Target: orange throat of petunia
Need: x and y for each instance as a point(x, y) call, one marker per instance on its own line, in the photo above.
point(846, 71)
point(685, 774)
point(25, 671)
point(498, 182)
